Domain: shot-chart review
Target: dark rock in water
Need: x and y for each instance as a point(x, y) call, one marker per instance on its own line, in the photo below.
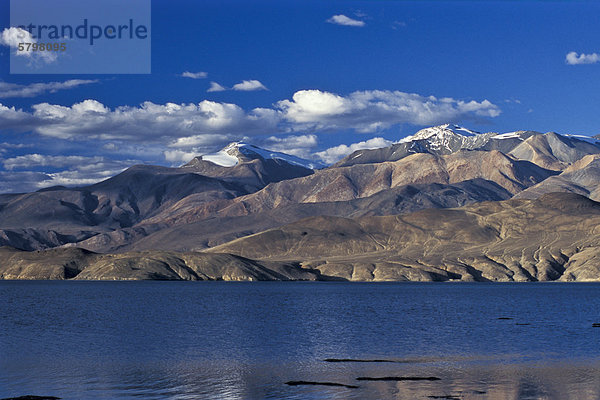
point(298, 383)
point(522, 324)
point(29, 397)
point(505, 318)
point(596, 325)
point(399, 378)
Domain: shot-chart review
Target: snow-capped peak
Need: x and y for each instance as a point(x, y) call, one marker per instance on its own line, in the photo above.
point(226, 157)
point(440, 132)
point(230, 156)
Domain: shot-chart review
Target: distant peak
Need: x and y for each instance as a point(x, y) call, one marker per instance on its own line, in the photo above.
point(440, 131)
point(236, 152)
point(226, 157)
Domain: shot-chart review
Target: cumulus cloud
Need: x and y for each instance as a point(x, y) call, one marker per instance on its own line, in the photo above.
point(5, 147)
point(12, 36)
point(334, 154)
point(249, 85)
point(244, 86)
point(22, 181)
point(194, 75)
point(215, 87)
point(573, 58)
point(205, 140)
point(17, 119)
point(36, 89)
point(91, 119)
point(207, 124)
point(175, 133)
point(299, 146)
point(78, 177)
point(179, 156)
point(39, 160)
point(73, 171)
point(369, 111)
point(341, 19)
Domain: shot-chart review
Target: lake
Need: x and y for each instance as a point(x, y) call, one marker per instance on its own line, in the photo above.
point(226, 340)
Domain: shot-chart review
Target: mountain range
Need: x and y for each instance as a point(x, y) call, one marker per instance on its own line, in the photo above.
point(446, 203)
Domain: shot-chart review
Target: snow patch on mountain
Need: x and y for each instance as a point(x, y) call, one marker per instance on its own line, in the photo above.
point(230, 156)
point(221, 158)
point(249, 149)
point(584, 138)
point(508, 135)
point(225, 157)
point(440, 132)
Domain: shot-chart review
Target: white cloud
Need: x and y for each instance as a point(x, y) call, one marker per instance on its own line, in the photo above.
point(111, 147)
point(252, 84)
point(36, 89)
point(77, 178)
point(79, 170)
point(244, 86)
point(209, 124)
point(194, 75)
point(90, 119)
point(12, 36)
point(179, 156)
point(27, 181)
point(22, 181)
point(205, 140)
point(12, 118)
point(573, 58)
point(346, 21)
point(88, 172)
point(299, 146)
point(6, 145)
point(39, 160)
point(369, 111)
point(215, 87)
point(334, 154)
point(177, 132)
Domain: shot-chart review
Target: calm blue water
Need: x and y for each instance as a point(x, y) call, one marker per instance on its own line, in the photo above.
point(221, 340)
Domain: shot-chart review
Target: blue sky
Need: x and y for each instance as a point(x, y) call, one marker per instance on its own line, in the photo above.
point(318, 76)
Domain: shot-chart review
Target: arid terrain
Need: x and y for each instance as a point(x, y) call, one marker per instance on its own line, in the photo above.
point(440, 205)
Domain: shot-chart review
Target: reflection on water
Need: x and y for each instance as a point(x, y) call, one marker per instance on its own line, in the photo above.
point(173, 340)
point(232, 381)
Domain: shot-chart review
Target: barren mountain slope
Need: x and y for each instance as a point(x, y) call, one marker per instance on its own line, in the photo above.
point(73, 263)
point(553, 237)
point(364, 180)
